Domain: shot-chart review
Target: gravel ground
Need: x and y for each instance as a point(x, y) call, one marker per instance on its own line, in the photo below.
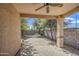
point(36, 45)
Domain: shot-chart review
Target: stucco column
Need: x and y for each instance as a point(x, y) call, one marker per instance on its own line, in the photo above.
point(60, 34)
point(10, 37)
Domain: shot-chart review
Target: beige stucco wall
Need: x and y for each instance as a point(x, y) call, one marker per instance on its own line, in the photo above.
point(9, 30)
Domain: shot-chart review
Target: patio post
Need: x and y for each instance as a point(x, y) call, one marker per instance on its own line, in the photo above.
point(60, 33)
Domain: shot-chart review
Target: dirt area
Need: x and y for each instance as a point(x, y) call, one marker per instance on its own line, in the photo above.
point(37, 45)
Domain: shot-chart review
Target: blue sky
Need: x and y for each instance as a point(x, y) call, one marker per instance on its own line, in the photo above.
point(72, 20)
point(30, 22)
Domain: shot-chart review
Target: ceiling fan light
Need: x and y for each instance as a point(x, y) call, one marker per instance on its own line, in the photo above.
point(47, 9)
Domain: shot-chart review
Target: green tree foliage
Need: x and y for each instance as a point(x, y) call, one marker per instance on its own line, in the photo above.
point(51, 24)
point(40, 23)
point(24, 25)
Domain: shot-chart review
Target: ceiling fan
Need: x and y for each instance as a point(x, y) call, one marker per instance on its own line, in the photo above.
point(49, 4)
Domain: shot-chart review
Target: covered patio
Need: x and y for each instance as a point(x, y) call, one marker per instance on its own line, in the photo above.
point(10, 32)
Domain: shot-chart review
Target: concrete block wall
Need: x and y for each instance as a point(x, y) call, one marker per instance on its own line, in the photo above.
point(71, 37)
point(49, 34)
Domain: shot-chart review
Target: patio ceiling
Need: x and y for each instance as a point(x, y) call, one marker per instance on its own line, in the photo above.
point(29, 8)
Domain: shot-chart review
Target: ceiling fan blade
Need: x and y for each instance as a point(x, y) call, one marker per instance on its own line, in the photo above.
point(56, 4)
point(59, 5)
point(40, 7)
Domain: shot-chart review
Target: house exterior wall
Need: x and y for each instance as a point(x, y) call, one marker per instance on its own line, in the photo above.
point(9, 30)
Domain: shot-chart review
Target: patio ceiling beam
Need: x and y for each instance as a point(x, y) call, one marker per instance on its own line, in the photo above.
point(76, 9)
point(37, 16)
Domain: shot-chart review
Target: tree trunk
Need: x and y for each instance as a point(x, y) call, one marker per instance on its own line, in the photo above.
point(51, 33)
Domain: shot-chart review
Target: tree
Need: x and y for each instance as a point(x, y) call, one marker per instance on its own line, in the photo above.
point(52, 25)
point(40, 25)
point(24, 26)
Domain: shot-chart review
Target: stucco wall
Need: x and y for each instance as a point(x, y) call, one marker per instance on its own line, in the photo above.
point(9, 30)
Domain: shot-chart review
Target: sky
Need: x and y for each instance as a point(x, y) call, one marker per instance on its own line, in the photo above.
point(72, 20)
point(31, 22)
